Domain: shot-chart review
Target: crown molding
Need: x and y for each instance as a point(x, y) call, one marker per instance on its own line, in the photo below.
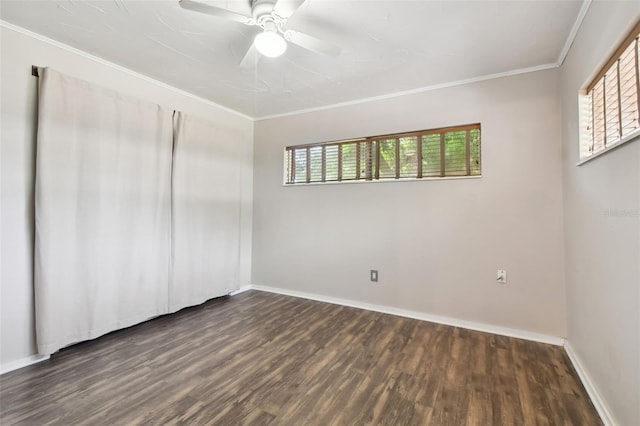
point(120, 68)
point(415, 91)
point(561, 57)
point(574, 32)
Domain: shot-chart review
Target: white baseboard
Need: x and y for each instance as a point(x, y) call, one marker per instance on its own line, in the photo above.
point(597, 400)
point(471, 325)
point(240, 290)
point(23, 362)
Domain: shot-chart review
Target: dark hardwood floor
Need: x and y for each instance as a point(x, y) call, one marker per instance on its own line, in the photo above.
point(260, 358)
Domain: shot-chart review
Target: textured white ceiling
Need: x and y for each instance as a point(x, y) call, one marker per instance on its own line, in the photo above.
point(387, 46)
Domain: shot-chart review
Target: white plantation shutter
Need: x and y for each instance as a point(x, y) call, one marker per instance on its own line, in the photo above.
point(451, 151)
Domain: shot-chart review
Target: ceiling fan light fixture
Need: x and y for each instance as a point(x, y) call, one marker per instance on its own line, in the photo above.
point(270, 44)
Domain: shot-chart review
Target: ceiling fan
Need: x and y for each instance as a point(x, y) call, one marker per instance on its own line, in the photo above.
point(271, 16)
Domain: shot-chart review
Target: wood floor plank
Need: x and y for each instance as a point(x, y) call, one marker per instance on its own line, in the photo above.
point(264, 359)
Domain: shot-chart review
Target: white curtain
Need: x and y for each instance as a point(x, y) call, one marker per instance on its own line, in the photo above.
point(205, 212)
point(103, 188)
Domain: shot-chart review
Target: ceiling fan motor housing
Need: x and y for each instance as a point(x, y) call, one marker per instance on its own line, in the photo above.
point(271, 17)
point(261, 9)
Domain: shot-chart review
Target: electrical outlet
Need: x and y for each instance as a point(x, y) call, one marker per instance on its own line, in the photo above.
point(374, 275)
point(501, 276)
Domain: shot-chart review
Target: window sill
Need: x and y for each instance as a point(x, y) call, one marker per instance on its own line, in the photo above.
point(380, 181)
point(630, 137)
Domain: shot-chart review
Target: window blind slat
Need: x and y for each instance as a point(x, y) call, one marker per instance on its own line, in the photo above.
point(468, 152)
point(340, 162)
point(316, 164)
point(293, 165)
point(368, 161)
point(397, 157)
point(613, 99)
point(287, 164)
point(599, 118)
point(387, 150)
point(619, 100)
point(419, 158)
point(332, 163)
point(376, 147)
point(349, 161)
point(637, 67)
point(358, 160)
point(300, 164)
point(631, 38)
point(408, 154)
point(431, 155)
point(451, 151)
point(308, 164)
point(442, 155)
point(455, 147)
point(611, 106)
point(474, 152)
point(324, 164)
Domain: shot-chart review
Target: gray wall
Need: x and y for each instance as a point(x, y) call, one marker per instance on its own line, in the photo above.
point(602, 247)
point(437, 244)
point(18, 113)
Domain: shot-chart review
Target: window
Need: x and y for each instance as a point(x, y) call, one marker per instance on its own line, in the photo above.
point(451, 151)
point(612, 101)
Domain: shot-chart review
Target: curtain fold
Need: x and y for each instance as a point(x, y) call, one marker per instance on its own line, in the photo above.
point(205, 213)
point(103, 205)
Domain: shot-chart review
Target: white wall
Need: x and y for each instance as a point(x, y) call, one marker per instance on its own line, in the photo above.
point(602, 250)
point(18, 114)
point(437, 244)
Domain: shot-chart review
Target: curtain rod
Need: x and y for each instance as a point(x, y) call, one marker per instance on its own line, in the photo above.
point(34, 71)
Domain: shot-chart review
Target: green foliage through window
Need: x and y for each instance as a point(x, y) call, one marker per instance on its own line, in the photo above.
point(452, 151)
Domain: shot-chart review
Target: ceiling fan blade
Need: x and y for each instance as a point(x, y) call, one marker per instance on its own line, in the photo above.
point(311, 43)
point(215, 11)
point(251, 58)
point(286, 8)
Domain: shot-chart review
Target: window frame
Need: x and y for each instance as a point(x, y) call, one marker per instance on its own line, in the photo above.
point(587, 136)
point(368, 154)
